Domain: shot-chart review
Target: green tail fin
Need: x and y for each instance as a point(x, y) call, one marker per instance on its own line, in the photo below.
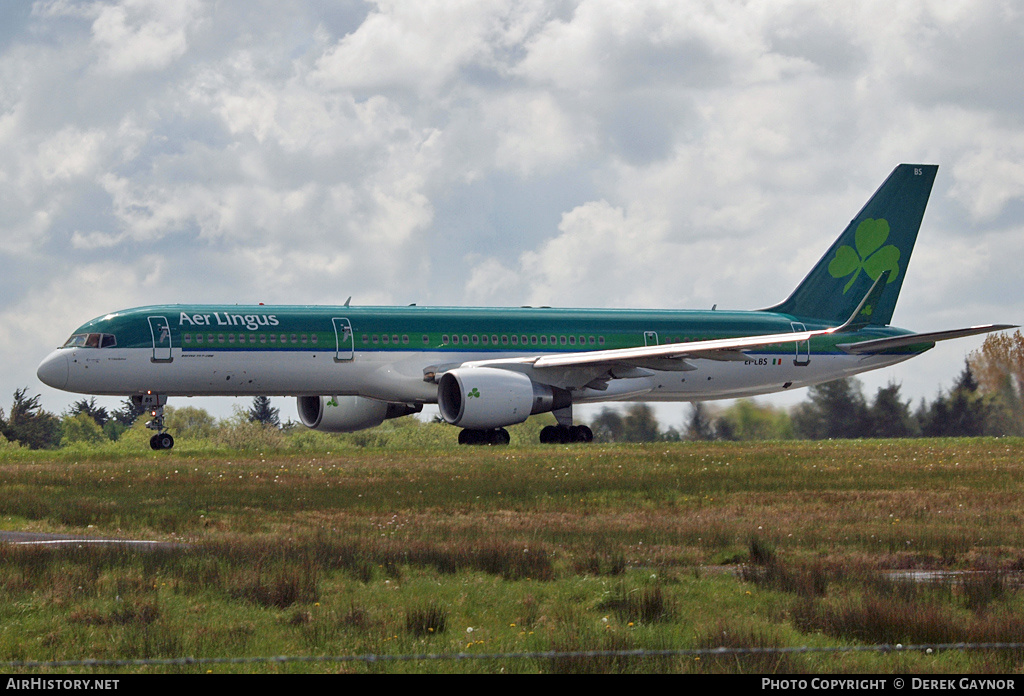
point(880, 238)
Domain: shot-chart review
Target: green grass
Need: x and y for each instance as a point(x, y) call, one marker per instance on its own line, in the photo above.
point(441, 549)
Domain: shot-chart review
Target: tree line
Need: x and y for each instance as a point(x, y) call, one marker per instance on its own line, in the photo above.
point(985, 399)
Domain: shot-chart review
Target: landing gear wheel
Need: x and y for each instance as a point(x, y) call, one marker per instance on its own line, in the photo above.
point(550, 435)
point(581, 433)
point(161, 441)
point(564, 434)
point(498, 436)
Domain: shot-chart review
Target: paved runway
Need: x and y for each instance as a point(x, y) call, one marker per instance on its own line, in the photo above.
point(39, 539)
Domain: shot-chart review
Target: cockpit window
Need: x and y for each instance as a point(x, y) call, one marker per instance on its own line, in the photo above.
point(91, 340)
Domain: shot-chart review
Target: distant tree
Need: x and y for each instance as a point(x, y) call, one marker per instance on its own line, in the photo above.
point(29, 424)
point(189, 422)
point(746, 419)
point(607, 426)
point(88, 407)
point(640, 424)
point(833, 410)
point(262, 412)
point(699, 426)
point(998, 367)
point(81, 428)
point(963, 412)
point(890, 416)
point(128, 413)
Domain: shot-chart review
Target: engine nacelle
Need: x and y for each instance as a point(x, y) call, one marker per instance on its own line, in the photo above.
point(346, 414)
point(482, 398)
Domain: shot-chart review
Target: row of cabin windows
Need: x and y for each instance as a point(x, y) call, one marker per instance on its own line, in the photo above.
point(493, 339)
point(532, 340)
point(395, 339)
point(262, 338)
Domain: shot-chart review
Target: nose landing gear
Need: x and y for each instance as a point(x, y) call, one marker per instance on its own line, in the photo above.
point(154, 403)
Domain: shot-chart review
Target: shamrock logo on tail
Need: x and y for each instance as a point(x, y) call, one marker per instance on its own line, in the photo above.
point(869, 256)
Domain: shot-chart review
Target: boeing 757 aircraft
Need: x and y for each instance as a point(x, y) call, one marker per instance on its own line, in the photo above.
point(353, 367)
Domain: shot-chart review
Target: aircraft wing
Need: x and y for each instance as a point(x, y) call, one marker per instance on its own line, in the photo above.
point(629, 362)
point(717, 349)
point(885, 345)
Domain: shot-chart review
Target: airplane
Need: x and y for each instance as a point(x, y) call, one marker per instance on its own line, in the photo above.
point(352, 367)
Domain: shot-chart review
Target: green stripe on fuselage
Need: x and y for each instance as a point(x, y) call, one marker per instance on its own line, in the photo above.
point(314, 328)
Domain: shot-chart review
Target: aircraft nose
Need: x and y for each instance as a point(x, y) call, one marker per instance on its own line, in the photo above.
point(53, 371)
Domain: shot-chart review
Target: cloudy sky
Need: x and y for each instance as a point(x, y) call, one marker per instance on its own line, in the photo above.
point(570, 153)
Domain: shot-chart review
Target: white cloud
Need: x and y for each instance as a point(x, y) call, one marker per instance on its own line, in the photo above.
point(422, 46)
point(143, 35)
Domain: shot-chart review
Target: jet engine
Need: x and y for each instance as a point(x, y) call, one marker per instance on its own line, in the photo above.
point(482, 398)
point(346, 414)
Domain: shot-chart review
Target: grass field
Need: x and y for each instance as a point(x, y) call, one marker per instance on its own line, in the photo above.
point(444, 549)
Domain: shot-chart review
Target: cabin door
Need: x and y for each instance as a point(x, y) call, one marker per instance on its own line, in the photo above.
point(803, 348)
point(345, 341)
point(160, 329)
point(650, 338)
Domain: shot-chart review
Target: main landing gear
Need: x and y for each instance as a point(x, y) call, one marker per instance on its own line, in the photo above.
point(155, 404)
point(498, 436)
point(549, 435)
point(565, 434)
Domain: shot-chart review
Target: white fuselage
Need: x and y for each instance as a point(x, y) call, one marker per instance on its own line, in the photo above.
point(399, 376)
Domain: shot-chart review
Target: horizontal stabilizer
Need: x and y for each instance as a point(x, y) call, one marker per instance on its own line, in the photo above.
point(885, 345)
